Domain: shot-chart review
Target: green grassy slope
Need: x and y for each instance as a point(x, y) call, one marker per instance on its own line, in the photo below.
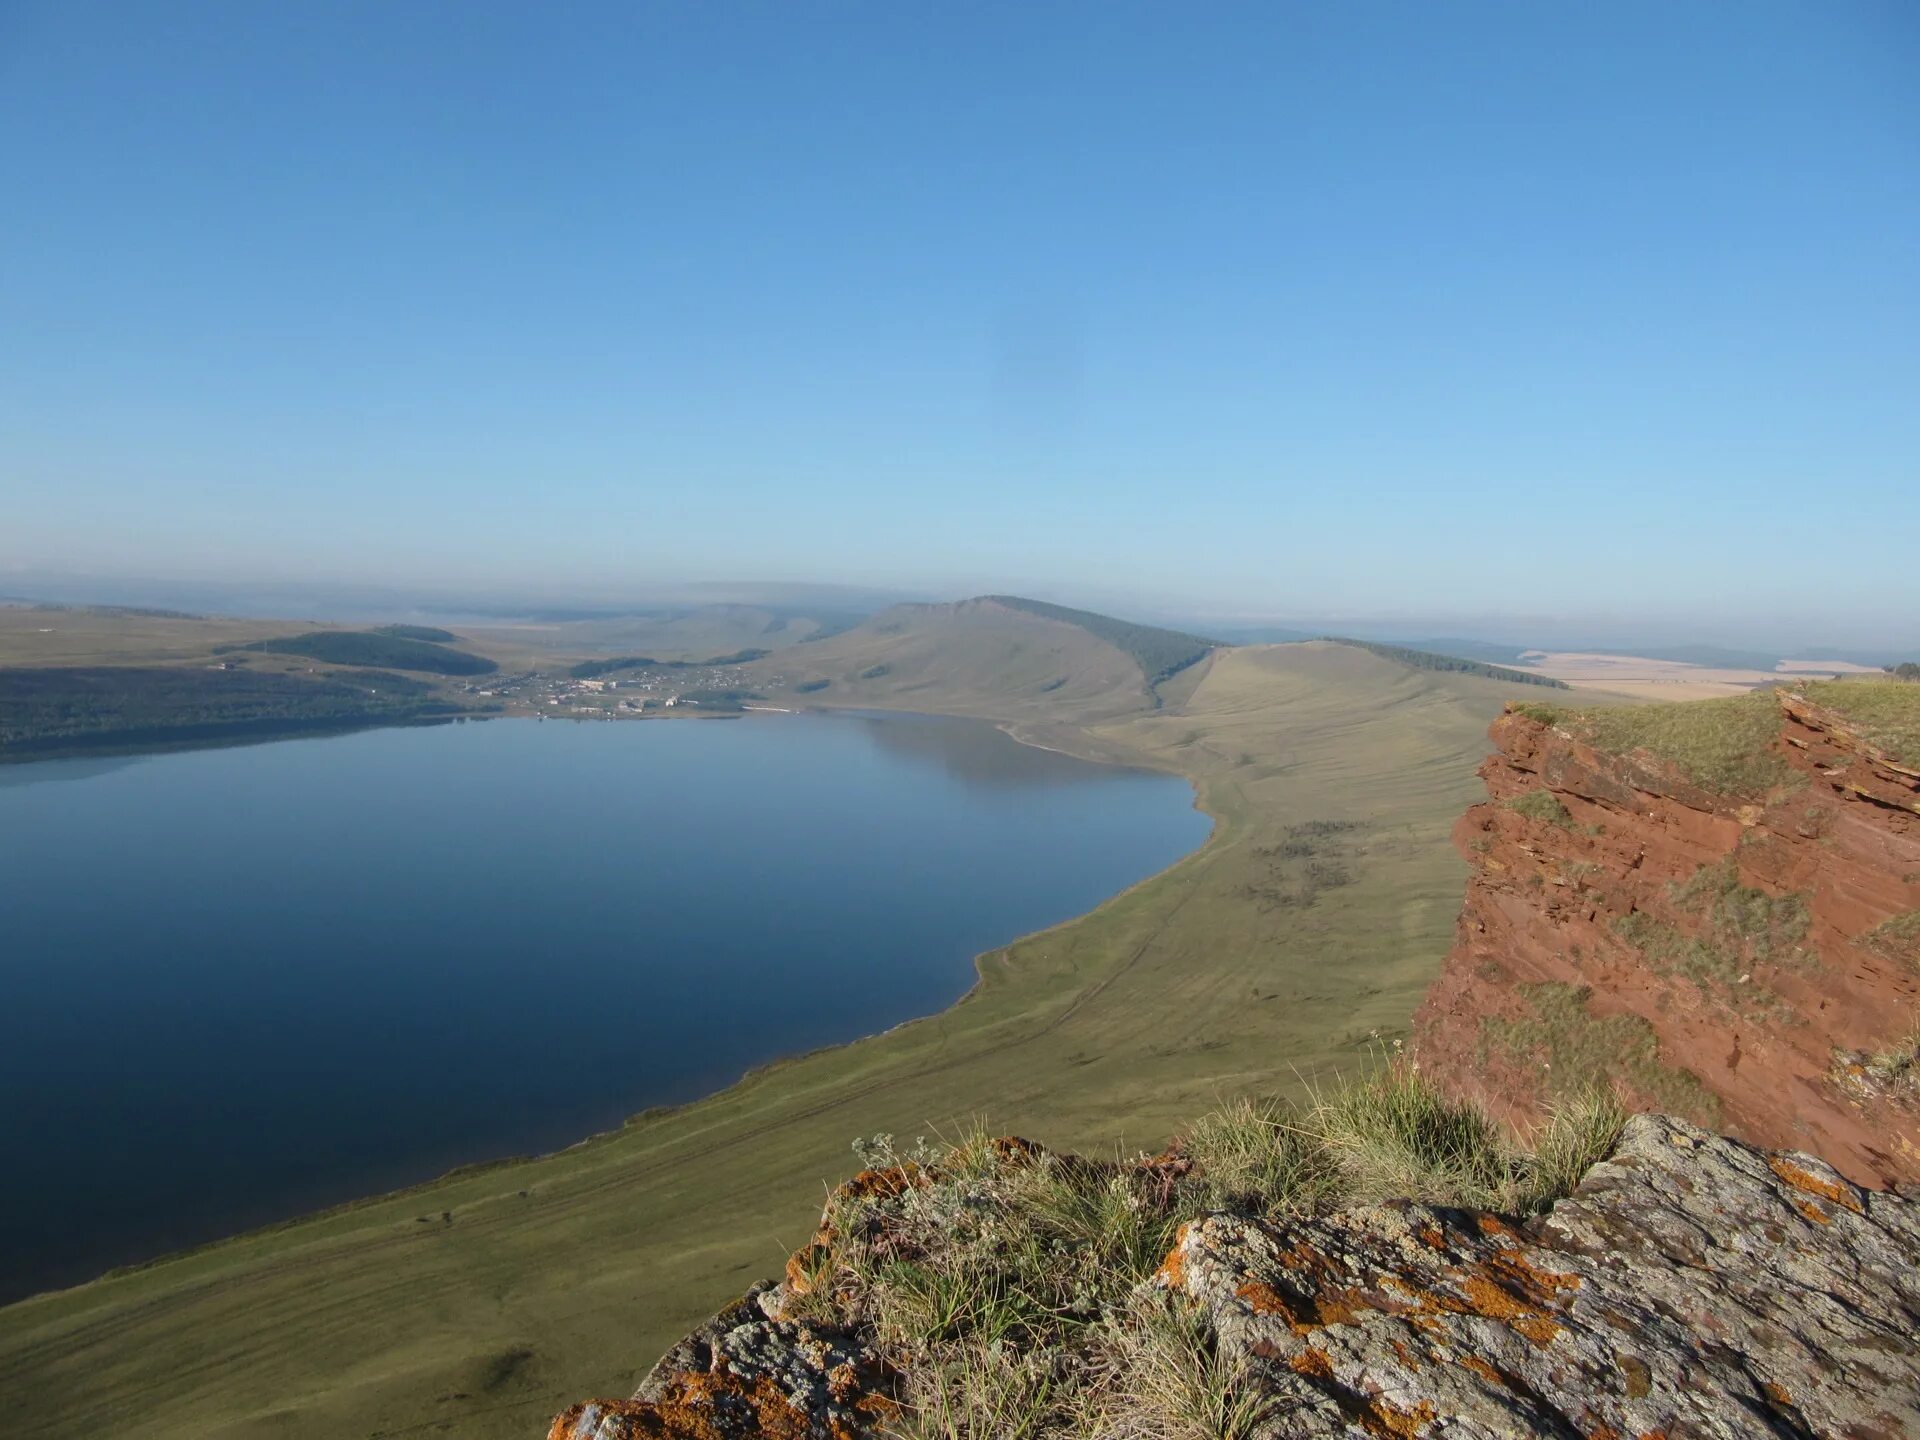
point(974, 657)
point(1159, 653)
point(1315, 917)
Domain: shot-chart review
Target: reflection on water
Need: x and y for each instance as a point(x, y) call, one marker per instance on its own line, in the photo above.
point(240, 983)
point(972, 751)
point(47, 772)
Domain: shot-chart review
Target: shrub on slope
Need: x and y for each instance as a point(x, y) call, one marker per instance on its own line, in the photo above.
point(369, 647)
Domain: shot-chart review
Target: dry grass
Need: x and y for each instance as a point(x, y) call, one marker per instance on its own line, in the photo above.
point(1008, 1288)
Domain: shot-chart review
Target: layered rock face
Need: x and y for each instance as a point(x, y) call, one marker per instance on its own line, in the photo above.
point(1750, 962)
point(1690, 1286)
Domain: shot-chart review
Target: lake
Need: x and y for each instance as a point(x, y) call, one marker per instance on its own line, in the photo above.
point(240, 984)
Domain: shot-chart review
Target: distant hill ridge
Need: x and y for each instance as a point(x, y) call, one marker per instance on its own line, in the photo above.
point(368, 647)
point(1160, 654)
point(1428, 660)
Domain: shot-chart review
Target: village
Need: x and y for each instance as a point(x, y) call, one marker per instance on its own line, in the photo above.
point(642, 691)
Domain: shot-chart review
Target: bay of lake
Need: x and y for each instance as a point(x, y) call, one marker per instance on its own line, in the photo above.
point(240, 984)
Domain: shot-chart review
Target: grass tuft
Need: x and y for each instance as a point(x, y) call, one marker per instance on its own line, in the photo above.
point(1580, 1132)
point(1543, 806)
point(1167, 1380)
point(1396, 1136)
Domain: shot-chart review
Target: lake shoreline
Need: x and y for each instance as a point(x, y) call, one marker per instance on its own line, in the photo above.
point(751, 1073)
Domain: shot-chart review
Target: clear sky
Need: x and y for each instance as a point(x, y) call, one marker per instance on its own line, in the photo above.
point(1277, 308)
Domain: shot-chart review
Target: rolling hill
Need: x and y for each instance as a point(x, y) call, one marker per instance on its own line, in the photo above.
point(992, 655)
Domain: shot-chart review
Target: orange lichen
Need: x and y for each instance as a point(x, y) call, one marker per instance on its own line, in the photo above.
point(1312, 1362)
point(887, 1184)
point(1812, 1212)
point(716, 1406)
point(1381, 1417)
point(1173, 1269)
point(1263, 1299)
point(805, 1265)
point(1481, 1368)
point(1778, 1394)
point(1800, 1179)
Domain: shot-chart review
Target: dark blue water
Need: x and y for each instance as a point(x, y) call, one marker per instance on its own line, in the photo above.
point(240, 984)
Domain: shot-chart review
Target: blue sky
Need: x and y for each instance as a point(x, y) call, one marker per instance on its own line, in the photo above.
point(1281, 308)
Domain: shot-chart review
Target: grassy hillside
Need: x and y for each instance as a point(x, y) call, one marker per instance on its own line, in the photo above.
point(1158, 653)
point(371, 647)
point(974, 657)
point(1311, 921)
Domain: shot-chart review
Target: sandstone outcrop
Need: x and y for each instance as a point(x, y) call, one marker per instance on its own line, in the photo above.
point(1746, 956)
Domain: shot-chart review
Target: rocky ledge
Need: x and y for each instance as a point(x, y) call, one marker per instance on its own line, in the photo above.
point(1691, 1285)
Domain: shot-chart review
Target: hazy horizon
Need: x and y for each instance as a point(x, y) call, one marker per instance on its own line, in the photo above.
point(1786, 636)
point(1586, 323)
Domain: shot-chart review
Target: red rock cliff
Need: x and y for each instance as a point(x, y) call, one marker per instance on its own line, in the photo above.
point(1752, 962)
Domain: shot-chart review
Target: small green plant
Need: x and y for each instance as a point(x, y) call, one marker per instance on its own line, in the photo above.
point(1542, 805)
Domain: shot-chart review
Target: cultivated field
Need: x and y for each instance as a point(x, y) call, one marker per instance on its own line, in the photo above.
point(1640, 677)
point(476, 1306)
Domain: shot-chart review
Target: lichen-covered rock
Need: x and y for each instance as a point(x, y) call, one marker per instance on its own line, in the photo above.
point(747, 1372)
point(1691, 1286)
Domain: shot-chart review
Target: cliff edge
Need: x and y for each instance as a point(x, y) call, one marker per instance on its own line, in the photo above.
point(1714, 907)
point(1689, 1285)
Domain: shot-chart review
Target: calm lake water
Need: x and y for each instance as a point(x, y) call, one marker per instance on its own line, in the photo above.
point(240, 984)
